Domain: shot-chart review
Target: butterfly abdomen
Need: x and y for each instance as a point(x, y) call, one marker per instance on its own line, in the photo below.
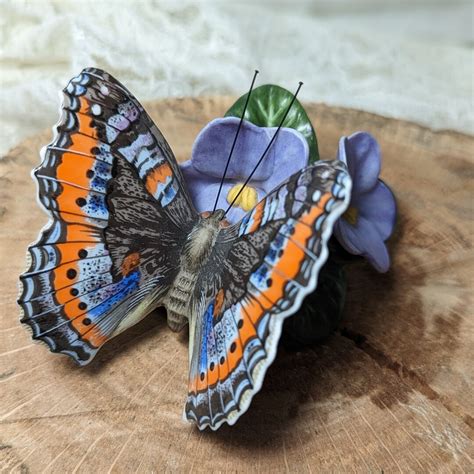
point(177, 299)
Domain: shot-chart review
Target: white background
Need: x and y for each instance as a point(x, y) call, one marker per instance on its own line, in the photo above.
point(405, 59)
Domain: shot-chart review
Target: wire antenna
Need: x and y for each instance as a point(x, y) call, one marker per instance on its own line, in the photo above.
point(266, 149)
point(235, 140)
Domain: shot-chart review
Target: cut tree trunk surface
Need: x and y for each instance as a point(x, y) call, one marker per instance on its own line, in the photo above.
point(392, 390)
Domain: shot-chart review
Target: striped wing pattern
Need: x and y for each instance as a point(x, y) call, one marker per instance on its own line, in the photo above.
point(118, 212)
point(270, 262)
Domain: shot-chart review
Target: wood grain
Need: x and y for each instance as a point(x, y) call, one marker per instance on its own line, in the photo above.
point(392, 390)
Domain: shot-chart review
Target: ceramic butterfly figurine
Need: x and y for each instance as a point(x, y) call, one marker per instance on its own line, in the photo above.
point(124, 238)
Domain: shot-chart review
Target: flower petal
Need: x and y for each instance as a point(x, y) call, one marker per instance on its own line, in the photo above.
point(379, 207)
point(203, 191)
point(291, 152)
point(213, 144)
point(361, 153)
point(344, 234)
point(202, 188)
point(363, 239)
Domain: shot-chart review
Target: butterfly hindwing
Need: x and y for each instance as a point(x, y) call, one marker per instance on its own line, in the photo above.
point(259, 273)
point(118, 213)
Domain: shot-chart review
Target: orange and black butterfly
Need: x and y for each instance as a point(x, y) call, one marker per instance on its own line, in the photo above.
point(124, 238)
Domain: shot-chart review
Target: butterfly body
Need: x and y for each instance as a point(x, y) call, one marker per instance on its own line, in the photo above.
point(196, 251)
point(124, 238)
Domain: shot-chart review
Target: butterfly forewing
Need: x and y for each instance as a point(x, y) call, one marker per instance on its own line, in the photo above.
point(258, 274)
point(118, 216)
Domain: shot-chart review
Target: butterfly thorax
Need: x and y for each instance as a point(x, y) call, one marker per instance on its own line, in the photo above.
point(196, 251)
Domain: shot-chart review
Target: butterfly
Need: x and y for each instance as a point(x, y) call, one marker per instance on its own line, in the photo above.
point(125, 238)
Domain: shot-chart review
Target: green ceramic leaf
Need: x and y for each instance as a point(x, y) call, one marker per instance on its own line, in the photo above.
point(266, 108)
point(321, 311)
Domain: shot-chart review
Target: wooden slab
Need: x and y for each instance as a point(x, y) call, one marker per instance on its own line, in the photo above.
point(391, 391)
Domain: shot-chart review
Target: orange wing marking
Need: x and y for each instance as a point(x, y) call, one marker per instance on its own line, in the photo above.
point(130, 262)
point(252, 310)
point(158, 176)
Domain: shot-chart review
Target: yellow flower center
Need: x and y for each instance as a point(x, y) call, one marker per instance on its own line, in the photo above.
point(351, 215)
point(247, 199)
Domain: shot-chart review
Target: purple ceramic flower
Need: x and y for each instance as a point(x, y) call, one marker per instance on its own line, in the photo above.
point(370, 218)
point(203, 172)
